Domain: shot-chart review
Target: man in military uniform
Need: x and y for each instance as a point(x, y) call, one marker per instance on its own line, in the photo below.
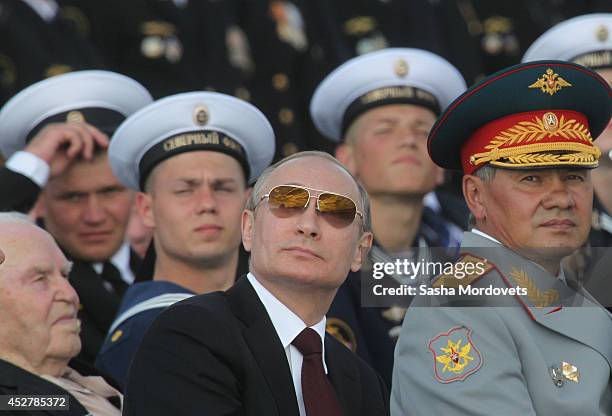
point(62, 125)
point(523, 138)
point(587, 40)
point(380, 107)
point(40, 39)
point(192, 157)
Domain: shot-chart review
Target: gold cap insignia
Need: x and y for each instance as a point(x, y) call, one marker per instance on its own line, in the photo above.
point(551, 122)
point(401, 68)
point(75, 116)
point(550, 83)
point(602, 33)
point(200, 115)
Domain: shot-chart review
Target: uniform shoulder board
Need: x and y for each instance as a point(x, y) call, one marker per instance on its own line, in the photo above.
point(464, 272)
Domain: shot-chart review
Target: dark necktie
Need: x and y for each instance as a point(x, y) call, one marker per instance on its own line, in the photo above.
point(112, 275)
point(319, 395)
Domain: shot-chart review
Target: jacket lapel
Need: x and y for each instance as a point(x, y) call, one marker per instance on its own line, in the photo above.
point(263, 341)
point(551, 302)
point(344, 377)
point(26, 383)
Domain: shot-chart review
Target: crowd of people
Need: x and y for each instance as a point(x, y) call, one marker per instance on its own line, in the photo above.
point(195, 196)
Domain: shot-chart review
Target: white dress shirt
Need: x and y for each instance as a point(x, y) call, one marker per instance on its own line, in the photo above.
point(121, 260)
point(46, 9)
point(30, 166)
point(288, 326)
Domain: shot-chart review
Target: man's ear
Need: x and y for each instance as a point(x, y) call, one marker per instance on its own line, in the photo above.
point(144, 206)
point(473, 192)
point(365, 244)
point(440, 176)
point(345, 154)
point(247, 224)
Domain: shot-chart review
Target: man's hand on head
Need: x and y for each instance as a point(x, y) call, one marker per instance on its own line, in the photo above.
point(59, 144)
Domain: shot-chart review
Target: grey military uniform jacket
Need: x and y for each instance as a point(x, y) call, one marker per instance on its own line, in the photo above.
point(544, 351)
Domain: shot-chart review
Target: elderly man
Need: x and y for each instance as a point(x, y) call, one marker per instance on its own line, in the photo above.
point(523, 138)
point(54, 135)
point(260, 348)
point(39, 331)
point(380, 107)
point(193, 160)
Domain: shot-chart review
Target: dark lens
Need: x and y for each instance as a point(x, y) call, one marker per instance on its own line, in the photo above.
point(338, 210)
point(286, 200)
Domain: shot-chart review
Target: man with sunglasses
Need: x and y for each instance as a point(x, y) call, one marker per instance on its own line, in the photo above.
point(260, 348)
point(535, 342)
point(191, 164)
point(379, 107)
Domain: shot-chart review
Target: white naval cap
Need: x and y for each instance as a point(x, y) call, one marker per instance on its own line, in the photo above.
point(585, 40)
point(101, 98)
point(189, 122)
point(388, 76)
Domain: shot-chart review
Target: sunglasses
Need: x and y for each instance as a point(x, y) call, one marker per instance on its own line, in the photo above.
point(287, 200)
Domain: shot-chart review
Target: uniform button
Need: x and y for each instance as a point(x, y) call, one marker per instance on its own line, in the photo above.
point(280, 82)
point(285, 115)
point(243, 93)
point(289, 148)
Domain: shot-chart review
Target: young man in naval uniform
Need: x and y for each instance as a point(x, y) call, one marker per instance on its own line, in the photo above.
point(191, 158)
point(55, 134)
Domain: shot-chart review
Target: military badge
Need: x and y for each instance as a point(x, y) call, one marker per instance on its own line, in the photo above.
point(342, 332)
point(455, 355)
point(550, 82)
point(539, 298)
point(116, 335)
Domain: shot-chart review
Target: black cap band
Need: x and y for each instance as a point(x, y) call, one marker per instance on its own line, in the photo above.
point(104, 119)
point(189, 142)
point(400, 94)
point(594, 60)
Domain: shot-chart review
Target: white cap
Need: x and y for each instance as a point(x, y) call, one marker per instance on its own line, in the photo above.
point(91, 96)
point(189, 122)
point(585, 40)
point(383, 77)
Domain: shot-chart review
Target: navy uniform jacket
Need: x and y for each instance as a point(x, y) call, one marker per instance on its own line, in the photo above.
point(219, 354)
point(123, 340)
point(18, 192)
point(33, 49)
point(372, 332)
point(168, 48)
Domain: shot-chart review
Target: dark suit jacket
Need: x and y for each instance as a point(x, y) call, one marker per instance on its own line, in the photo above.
point(17, 381)
point(219, 354)
point(17, 192)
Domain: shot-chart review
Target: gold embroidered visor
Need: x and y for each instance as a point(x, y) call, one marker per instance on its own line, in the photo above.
point(532, 139)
